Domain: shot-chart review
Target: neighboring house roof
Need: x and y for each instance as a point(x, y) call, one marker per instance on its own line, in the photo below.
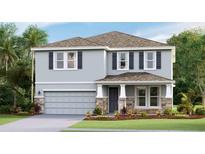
point(134, 76)
point(111, 39)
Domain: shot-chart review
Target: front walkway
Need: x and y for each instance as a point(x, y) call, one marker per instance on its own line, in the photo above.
point(42, 123)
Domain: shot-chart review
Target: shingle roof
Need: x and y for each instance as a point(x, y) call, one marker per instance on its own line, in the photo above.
point(118, 39)
point(111, 39)
point(73, 42)
point(134, 76)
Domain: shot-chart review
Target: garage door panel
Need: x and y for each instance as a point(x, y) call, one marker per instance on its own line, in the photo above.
point(70, 105)
point(69, 102)
point(69, 99)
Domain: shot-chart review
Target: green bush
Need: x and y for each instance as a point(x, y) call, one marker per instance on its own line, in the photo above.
point(168, 112)
point(143, 114)
point(5, 109)
point(200, 111)
point(97, 111)
point(186, 108)
point(124, 110)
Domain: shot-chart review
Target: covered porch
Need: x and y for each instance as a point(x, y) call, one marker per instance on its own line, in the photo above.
point(136, 91)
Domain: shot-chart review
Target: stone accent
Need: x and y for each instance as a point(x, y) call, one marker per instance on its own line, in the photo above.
point(102, 103)
point(166, 103)
point(130, 103)
point(121, 103)
point(40, 101)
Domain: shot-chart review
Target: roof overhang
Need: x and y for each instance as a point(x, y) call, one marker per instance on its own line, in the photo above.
point(136, 82)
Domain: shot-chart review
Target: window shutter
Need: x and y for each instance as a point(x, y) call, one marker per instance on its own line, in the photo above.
point(158, 60)
point(141, 60)
point(50, 60)
point(114, 60)
point(131, 60)
point(80, 60)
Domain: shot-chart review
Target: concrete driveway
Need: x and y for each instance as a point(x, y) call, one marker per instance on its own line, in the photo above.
point(41, 123)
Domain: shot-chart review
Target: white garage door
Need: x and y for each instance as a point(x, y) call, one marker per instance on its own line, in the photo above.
point(69, 102)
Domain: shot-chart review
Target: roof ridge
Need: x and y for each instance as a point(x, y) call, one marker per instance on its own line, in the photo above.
point(139, 37)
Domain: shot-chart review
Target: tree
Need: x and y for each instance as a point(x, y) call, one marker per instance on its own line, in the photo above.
point(34, 37)
point(190, 59)
point(7, 45)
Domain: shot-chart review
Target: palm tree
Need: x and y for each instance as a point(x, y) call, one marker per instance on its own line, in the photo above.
point(34, 37)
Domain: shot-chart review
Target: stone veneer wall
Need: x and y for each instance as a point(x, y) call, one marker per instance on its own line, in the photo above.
point(102, 103)
point(40, 101)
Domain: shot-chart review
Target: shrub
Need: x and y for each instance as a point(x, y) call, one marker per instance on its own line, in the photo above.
point(186, 108)
point(168, 112)
point(200, 111)
point(5, 109)
point(158, 113)
point(97, 111)
point(117, 115)
point(88, 114)
point(143, 114)
point(37, 108)
point(124, 110)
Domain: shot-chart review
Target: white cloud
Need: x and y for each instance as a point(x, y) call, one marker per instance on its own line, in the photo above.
point(163, 32)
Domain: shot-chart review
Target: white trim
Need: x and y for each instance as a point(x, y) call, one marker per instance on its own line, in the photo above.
point(146, 59)
point(122, 91)
point(135, 82)
point(99, 91)
point(69, 90)
point(83, 82)
point(103, 47)
point(38, 96)
point(118, 60)
point(65, 60)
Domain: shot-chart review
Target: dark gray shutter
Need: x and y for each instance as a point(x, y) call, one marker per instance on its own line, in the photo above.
point(80, 60)
point(141, 60)
point(50, 60)
point(131, 60)
point(114, 60)
point(158, 60)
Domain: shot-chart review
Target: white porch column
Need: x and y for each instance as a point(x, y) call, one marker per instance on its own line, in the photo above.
point(122, 91)
point(168, 91)
point(99, 91)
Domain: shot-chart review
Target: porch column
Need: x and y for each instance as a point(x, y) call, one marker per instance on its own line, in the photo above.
point(122, 91)
point(99, 91)
point(122, 98)
point(168, 91)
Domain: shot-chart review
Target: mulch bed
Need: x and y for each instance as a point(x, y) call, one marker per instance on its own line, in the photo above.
point(131, 117)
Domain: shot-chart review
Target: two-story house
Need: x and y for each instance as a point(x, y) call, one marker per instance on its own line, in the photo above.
point(110, 70)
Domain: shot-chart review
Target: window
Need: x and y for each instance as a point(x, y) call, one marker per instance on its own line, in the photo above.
point(150, 60)
point(154, 96)
point(71, 60)
point(141, 96)
point(123, 60)
point(65, 60)
point(60, 60)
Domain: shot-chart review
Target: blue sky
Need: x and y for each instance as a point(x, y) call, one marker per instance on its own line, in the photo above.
point(159, 31)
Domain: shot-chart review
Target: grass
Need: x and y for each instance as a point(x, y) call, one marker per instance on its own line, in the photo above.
point(10, 118)
point(146, 124)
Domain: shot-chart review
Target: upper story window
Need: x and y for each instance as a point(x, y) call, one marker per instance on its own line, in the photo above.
point(150, 60)
point(123, 61)
point(65, 60)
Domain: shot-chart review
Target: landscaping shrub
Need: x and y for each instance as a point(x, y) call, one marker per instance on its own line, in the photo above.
point(88, 114)
point(186, 108)
point(5, 109)
point(124, 110)
point(158, 113)
point(143, 114)
point(97, 111)
point(200, 111)
point(37, 108)
point(117, 115)
point(168, 112)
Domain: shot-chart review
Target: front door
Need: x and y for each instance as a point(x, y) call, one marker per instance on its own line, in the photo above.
point(113, 99)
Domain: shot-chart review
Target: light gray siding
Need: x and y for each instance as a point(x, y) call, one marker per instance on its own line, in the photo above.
point(165, 71)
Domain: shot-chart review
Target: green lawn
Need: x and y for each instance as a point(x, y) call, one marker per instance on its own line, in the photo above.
point(10, 118)
point(146, 124)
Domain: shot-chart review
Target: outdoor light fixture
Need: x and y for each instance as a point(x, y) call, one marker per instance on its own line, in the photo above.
point(39, 92)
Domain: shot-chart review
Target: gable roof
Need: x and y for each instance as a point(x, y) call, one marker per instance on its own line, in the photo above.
point(134, 76)
point(111, 39)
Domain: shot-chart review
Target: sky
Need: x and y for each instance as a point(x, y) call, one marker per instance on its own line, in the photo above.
point(158, 31)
